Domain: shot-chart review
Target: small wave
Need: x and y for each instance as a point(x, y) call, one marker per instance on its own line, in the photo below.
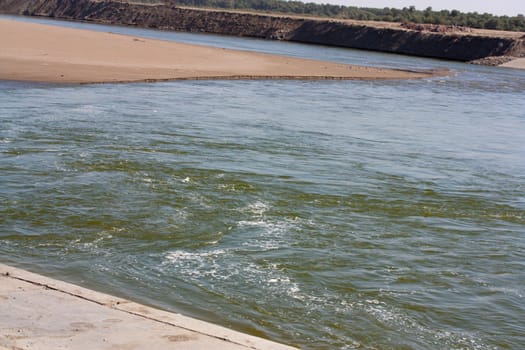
point(257, 208)
point(196, 264)
point(219, 268)
point(262, 245)
point(181, 255)
point(401, 321)
point(88, 109)
point(509, 291)
point(269, 228)
point(93, 243)
point(265, 235)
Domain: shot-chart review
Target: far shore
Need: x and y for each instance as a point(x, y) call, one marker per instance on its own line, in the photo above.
point(46, 53)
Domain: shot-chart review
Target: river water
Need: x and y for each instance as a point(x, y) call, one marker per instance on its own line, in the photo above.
point(326, 215)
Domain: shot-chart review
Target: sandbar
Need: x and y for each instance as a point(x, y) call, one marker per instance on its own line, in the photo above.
point(518, 63)
point(47, 53)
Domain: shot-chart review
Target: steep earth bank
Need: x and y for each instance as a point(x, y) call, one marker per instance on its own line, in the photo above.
point(460, 46)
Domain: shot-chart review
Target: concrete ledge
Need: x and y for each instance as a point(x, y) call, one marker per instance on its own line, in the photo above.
point(38, 312)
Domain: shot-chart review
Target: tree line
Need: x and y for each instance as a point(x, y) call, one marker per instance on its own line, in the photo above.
point(404, 15)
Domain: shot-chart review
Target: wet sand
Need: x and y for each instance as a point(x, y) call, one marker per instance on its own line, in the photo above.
point(46, 53)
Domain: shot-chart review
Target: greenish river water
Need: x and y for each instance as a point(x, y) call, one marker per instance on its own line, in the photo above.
point(326, 215)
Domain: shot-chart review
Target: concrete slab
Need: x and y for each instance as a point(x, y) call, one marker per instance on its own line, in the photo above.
point(37, 312)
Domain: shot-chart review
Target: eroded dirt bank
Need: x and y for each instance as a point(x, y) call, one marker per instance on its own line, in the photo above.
point(393, 38)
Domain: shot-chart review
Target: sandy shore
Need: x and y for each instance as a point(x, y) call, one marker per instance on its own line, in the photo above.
point(36, 52)
point(518, 63)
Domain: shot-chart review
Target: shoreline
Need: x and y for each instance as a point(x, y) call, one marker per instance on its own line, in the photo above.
point(516, 63)
point(46, 53)
point(441, 42)
point(38, 310)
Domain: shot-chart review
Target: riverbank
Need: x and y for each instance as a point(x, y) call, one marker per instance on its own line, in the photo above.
point(450, 43)
point(40, 312)
point(36, 52)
